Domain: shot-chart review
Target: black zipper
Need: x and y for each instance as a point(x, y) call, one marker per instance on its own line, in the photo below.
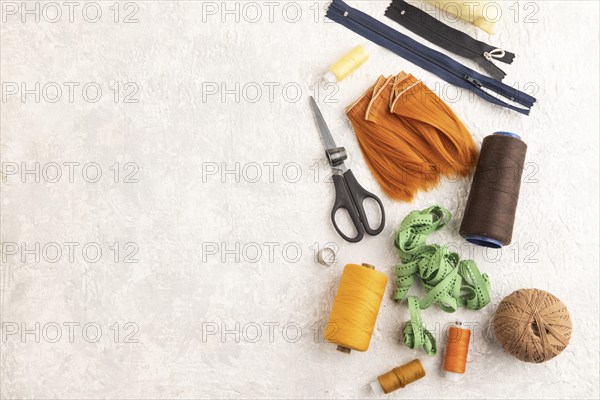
point(435, 31)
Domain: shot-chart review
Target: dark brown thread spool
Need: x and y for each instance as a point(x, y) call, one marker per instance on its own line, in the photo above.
point(490, 212)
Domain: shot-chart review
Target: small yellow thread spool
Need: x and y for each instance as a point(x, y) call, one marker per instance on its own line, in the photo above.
point(347, 64)
point(398, 377)
point(355, 308)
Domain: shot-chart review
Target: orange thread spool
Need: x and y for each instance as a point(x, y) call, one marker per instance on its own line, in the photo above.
point(398, 377)
point(457, 350)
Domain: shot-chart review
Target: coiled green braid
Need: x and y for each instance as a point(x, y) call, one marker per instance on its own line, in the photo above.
point(448, 281)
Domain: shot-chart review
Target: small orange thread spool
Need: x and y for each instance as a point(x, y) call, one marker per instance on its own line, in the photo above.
point(457, 350)
point(398, 377)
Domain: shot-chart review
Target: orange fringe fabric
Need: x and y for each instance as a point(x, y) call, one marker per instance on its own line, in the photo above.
point(409, 136)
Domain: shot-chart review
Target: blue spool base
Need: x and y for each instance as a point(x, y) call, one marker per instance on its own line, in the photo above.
point(484, 241)
point(504, 133)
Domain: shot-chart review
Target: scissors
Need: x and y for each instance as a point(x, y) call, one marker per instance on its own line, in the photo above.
point(349, 195)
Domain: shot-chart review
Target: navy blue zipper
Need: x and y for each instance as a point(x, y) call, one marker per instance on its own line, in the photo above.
point(428, 59)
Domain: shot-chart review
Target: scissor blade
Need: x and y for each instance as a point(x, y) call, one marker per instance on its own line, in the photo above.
point(325, 133)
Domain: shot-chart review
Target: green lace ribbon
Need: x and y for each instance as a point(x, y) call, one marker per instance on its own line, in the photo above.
point(448, 281)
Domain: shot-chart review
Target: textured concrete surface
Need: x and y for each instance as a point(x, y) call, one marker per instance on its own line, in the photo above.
point(209, 208)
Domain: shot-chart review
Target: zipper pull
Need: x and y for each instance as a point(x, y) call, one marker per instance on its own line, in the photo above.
point(496, 53)
point(473, 81)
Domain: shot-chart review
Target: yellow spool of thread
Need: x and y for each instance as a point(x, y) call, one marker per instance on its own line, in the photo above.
point(347, 64)
point(483, 14)
point(355, 308)
point(398, 377)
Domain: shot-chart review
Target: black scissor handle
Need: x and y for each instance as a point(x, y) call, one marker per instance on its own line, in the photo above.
point(359, 195)
point(343, 199)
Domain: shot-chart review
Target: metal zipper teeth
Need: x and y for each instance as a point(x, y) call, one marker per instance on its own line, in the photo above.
point(465, 77)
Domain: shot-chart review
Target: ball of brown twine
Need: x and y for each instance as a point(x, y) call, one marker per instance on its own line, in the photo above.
point(532, 325)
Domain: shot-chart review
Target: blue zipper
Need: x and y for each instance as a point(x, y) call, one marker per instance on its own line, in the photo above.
point(433, 61)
